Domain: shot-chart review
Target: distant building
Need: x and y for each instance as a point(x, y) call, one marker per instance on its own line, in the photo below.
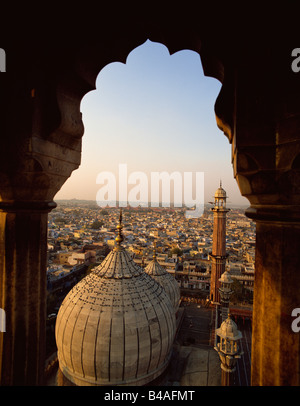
point(80, 257)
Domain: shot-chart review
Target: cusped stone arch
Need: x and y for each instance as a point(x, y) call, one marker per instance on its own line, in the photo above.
point(81, 73)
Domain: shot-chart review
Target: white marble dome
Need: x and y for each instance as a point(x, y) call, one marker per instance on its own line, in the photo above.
point(116, 326)
point(167, 281)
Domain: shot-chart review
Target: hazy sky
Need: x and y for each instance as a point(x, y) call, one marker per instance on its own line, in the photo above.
point(154, 113)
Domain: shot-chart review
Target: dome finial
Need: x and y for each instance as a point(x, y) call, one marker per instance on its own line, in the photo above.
point(220, 182)
point(119, 237)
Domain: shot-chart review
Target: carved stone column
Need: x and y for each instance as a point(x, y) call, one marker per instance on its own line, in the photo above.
point(23, 256)
point(265, 151)
point(275, 347)
point(35, 161)
point(259, 110)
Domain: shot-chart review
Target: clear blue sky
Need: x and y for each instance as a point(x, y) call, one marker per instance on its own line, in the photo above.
point(154, 113)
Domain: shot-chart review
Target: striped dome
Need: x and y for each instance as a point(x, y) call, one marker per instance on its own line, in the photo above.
point(116, 326)
point(166, 280)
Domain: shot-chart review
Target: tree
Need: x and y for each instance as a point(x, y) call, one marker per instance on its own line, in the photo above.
point(176, 251)
point(97, 224)
point(60, 220)
point(237, 295)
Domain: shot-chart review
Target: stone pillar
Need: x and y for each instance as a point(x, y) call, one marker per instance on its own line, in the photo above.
point(23, 256)
point(263, 129)
point(41, 146)
point(275, 347)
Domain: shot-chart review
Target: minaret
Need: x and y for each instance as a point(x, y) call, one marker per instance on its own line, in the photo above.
point(218, 255)
point(119, 237)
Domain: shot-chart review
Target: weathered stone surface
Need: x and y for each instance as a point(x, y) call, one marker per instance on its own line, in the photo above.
point(116, 326)
point(23, 256)
point(166, 280)
point(202, 367)
point(275, 347)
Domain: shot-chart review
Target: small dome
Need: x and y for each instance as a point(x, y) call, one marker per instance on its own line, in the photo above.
point(166, 280)
point(220, 193)
point(116, 326)
point(229, 330)
point(226, 278)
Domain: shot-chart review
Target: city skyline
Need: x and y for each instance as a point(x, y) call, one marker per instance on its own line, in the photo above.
point(85, 244)
point(155, 113)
